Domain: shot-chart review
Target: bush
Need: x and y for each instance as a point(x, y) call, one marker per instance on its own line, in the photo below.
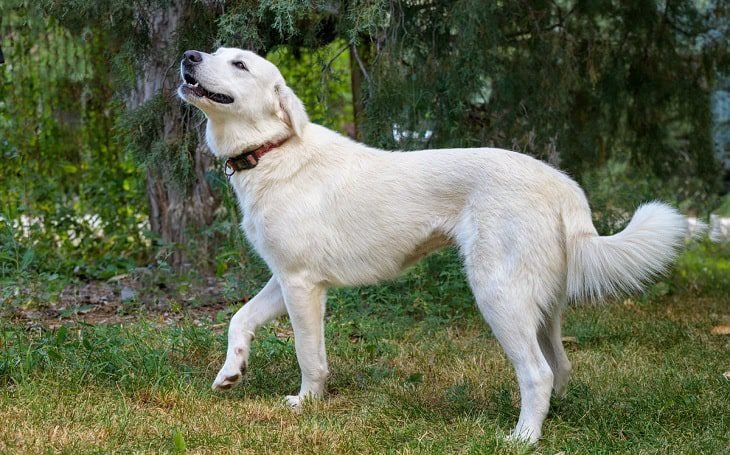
point(618, 188)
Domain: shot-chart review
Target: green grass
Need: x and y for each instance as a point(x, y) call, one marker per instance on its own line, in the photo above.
point(414, 370)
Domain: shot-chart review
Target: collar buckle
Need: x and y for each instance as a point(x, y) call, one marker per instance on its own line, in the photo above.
point(243, 162)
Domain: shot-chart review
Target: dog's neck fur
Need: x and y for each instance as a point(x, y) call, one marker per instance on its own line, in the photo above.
point(226, 140)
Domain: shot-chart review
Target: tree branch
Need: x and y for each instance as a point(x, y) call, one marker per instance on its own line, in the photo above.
point(360, 64)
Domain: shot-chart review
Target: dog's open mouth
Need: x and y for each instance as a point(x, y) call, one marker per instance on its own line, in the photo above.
point(192, 86)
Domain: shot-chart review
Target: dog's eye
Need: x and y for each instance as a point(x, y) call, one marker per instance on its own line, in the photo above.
point(240, 66)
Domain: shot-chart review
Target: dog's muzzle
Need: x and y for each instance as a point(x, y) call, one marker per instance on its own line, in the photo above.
point(191, 86)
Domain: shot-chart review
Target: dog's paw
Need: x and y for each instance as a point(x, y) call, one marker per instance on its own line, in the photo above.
point(297, 402)
point(294, 402)
point(523, 436)
point(228, 377)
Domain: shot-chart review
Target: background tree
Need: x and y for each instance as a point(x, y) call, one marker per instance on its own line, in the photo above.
point(576, 83)
point(145, 41)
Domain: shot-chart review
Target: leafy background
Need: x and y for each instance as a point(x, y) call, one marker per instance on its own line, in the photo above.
point(617, 94)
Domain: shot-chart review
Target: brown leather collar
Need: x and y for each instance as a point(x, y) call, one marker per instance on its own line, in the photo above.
point(249, 160)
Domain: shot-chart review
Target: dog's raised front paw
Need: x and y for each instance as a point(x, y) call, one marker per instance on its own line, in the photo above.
point(228, 377)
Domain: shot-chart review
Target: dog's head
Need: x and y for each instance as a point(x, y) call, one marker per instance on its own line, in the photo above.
point(240, 85)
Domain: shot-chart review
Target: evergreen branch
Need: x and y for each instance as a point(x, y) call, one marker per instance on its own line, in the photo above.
point(328, 66)
point(360, 64)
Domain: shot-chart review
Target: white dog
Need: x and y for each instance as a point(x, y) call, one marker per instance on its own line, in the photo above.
point(325, 211)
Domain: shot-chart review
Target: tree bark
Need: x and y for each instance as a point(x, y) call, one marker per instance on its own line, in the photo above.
point(175, 213)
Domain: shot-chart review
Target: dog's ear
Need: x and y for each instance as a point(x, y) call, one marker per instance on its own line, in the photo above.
point(290, 108)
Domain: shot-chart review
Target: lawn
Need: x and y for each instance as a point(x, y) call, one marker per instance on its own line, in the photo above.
point(414, 370)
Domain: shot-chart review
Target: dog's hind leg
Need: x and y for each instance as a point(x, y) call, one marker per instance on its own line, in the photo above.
point(305, 304)
point(551, 343)
point(511, 309)
point(265, 306)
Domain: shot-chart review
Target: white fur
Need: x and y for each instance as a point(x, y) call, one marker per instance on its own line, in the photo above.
point(325, 211)
point(600, 267)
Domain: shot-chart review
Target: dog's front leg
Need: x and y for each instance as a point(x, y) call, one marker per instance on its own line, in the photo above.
point(305, 304)
point(265, 306)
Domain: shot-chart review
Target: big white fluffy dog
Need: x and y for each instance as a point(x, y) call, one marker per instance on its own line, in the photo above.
point(323, 210)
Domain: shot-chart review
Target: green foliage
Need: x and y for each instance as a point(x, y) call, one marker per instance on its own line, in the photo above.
point(321, 78)
point(618, 188)
point(574, 82)
point(617, 94)
point(178, 441)
point(240, 25)
point(71, 201)
point(724, 208)
point(364, 19)
point(145, 142)
point(262, 25)
point(108, 355)
point(705, 269)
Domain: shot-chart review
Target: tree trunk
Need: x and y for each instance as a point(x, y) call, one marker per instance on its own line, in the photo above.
point(174, 212)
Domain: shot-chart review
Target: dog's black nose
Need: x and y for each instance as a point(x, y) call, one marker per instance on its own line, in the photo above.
point(192, 57)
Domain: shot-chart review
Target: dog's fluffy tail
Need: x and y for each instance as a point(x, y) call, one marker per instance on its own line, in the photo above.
point(600, 267)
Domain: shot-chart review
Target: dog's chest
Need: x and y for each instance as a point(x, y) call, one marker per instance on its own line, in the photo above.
point(280, 224)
